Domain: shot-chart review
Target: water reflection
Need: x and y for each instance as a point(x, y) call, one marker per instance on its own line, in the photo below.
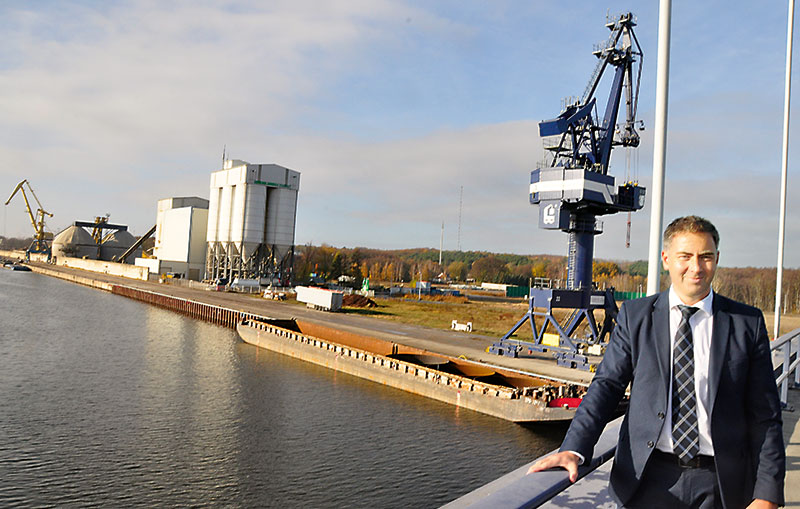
point(109, 401)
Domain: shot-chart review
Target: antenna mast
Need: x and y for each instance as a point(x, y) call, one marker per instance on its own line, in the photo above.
point(460, 204)
point(441, 245)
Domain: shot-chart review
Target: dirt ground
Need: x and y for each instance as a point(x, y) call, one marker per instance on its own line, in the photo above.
point(788, 323)
point(492, 318)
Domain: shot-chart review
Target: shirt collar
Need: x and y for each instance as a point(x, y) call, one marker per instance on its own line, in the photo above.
point(704, 305)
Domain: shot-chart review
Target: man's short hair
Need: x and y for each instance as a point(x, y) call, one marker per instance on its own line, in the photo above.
point(690, 224)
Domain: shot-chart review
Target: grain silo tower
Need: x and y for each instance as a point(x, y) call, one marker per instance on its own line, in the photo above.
point(251, 221)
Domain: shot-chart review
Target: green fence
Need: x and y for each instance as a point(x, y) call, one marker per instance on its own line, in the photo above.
point(516, 291)
point(628, 295)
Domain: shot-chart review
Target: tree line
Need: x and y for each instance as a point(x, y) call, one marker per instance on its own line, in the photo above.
point(406, 265)
point(754, 286)
point(14, 243)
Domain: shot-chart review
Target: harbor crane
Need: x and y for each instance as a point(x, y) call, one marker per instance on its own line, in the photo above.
point(572, 187)
point(40, 237)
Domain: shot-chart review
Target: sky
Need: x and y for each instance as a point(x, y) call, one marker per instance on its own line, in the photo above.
point(388, 109)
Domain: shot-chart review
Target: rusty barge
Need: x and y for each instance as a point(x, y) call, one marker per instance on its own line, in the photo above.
point(503, 393)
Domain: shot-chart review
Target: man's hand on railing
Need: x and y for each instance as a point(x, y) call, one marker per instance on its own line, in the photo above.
point(762, 504)
point(566, 460)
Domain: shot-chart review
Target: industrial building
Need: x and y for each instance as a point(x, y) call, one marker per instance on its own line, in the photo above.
point(251, 222)
point(180, 238)
point(76, 242)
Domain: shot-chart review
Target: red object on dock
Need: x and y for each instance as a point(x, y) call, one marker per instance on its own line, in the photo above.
point(565, 402)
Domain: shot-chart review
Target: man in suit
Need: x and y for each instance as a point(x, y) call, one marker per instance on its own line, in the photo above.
point(703, 427)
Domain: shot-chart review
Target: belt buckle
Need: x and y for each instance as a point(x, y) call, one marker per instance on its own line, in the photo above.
point(690, 463)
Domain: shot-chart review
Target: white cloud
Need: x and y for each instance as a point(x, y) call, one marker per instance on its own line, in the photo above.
point(136, 98)
point(109, 108)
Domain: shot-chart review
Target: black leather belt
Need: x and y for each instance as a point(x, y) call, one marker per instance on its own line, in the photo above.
point(699, 461)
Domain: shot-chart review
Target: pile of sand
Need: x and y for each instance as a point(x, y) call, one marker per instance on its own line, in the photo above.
point(358, 301)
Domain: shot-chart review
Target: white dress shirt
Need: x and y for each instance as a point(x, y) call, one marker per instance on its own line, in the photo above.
point(702, 323)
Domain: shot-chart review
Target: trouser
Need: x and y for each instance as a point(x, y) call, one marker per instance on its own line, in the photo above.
point(667, 484)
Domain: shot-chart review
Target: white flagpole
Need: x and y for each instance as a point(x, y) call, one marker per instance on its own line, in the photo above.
point(784, 167)
point(659, 147)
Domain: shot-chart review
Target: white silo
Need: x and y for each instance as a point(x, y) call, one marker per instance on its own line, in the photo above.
point(251, 221)
point(281, 212)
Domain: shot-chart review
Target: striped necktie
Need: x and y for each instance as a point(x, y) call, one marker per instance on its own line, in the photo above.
point(685, 433)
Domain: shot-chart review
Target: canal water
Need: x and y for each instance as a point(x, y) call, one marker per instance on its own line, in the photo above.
point(106, 401)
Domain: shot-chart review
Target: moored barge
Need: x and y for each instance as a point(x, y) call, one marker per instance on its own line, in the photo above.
point(500, 392)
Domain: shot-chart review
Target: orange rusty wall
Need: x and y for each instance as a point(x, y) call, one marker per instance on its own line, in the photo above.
point(368, 343)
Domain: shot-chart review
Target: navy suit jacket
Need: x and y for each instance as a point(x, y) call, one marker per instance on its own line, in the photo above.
point(745, 412)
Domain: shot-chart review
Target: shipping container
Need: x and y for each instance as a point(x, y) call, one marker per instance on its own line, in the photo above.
point(319, 298)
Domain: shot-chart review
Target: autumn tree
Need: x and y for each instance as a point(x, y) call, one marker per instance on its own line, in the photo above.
point(338, 265)
point(390, 272)
point(458, 270)
point(489, 269)
point(539, 269)
point(375, 272)
point(405, 272)
point(604, 269)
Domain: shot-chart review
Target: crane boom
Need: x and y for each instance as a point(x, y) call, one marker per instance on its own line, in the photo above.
point(39, 244)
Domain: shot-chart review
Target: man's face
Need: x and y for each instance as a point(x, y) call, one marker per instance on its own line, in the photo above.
point(691, 260)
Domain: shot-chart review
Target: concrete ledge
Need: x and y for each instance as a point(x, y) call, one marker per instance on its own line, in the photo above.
point(17, 255)
point(104, 267)
point(82, 280)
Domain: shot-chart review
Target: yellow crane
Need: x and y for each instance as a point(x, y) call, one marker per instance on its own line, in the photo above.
point(40, 238)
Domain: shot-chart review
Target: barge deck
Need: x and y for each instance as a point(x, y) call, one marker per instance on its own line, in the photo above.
point(501, 393)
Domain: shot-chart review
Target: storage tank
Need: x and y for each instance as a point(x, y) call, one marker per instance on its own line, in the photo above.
point(74, 242)
point(251, 220)
point(116, 243)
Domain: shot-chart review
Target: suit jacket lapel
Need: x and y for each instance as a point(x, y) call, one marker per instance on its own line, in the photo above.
point(720, 336)
point(662, 340)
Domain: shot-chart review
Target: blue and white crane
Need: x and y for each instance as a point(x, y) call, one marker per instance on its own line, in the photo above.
point(572, 188)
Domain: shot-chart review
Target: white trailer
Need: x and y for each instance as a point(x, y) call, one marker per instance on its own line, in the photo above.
point(319, 298)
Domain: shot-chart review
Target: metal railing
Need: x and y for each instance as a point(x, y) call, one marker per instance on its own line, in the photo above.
point(787, 345)
point(518, 490)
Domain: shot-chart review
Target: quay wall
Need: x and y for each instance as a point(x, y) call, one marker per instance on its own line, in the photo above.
point(215, 314)
point(75, 278)
point(100, 266)
point(13, 255)
point(104, 267)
